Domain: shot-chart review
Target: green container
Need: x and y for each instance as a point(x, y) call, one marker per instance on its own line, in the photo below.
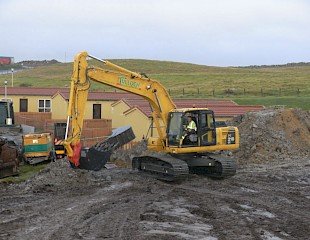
point(38, 148)
point(37, 144)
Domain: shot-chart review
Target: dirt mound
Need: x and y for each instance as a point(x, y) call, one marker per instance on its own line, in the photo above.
point(59, 176)
point(123, 157)
point(273, 134)
point(281, 134)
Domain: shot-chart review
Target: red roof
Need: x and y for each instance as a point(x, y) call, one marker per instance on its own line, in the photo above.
point(141, 104)
point(203, 103)
point(232, 111)
point(29, 91)
point(221, 108)
point(24, 91)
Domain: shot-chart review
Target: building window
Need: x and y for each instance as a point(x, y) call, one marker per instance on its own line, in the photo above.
point(23, 105)
point(97, 111)
point(44, 105)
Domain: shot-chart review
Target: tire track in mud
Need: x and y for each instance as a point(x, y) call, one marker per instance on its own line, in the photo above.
point(252, 205)
point(117, 216)
point(258, 203)
point(110, 210)
point(101, 215)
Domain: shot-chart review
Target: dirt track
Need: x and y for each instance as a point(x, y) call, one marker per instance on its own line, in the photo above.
point(260, 202)
point(266, 199)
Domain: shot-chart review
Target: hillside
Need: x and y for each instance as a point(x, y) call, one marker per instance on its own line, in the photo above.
point(176, 75)
point(190, 80)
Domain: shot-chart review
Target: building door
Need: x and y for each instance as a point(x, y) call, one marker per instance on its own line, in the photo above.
point(97, 111)
point(23, 105)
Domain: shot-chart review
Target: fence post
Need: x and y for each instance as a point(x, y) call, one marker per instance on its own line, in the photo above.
point(261, 91)
point(243, 91)
point(279, 91)
point(183, 91)
point(298, 92)
point(198, 90)
point(213, 92)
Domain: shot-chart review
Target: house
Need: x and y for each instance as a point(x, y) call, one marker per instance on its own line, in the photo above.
point(6, 60)
point(121, 107)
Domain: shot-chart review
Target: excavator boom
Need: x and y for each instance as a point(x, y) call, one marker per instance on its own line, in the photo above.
point(120, 78)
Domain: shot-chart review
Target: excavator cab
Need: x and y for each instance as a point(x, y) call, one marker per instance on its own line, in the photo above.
point(179, 135)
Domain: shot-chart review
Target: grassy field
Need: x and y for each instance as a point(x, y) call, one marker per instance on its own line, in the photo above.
point(281, 85)
point(290, 102)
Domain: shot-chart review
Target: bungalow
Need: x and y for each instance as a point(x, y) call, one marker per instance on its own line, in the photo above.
point(121, 107)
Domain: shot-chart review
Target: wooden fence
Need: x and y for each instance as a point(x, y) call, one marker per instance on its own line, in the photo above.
point(262, 92)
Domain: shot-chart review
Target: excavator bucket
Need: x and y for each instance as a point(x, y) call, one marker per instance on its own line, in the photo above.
point(96, 156)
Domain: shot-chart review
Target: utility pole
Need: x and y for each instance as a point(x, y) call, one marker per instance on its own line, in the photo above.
point(5, 88)
point(12, 77)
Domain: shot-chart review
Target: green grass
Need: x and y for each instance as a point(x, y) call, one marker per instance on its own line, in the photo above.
point(26, 171)
point(288, 85)
point(290, 102)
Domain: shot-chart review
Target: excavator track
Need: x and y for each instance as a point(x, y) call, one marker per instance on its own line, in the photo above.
point(222, 167)
point(162, 167)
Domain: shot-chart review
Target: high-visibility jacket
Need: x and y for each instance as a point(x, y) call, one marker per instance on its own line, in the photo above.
point(192, 126)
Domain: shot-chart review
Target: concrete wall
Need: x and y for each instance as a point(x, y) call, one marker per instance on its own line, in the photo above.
point(105, 109)
point(59, 107)
point(33, 102)
point(135, 118)
point(117, 114)
point(139, 123)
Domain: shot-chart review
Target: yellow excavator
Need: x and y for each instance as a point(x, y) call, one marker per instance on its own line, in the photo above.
point(176, 152)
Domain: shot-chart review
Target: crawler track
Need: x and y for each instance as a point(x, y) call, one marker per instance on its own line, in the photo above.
point(213, 165)
point(162, 167)
point(168, 168)
point(224, 167)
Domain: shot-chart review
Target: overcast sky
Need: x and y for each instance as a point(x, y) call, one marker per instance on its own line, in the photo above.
point(208, 32)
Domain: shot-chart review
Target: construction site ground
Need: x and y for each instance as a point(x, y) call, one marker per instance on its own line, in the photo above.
point(268, 198)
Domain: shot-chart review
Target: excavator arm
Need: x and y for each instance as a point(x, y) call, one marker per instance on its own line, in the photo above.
point(120, 78)
point(138, 84)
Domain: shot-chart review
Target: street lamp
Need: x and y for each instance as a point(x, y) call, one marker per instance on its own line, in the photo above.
point(5, 87)
point(12, 77)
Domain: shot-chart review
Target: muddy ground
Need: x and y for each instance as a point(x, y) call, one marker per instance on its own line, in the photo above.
point(268, 198)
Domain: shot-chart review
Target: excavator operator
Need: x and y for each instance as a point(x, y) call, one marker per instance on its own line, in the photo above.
point(191, 128)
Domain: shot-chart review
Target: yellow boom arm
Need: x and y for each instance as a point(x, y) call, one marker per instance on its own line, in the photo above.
point(119, 78)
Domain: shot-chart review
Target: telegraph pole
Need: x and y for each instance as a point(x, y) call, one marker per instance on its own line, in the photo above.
point(12, 77)
point(5, 88)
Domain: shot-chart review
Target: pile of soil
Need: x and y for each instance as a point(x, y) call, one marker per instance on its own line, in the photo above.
point(123, 157)
point(267, 135)
point(273, 134)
